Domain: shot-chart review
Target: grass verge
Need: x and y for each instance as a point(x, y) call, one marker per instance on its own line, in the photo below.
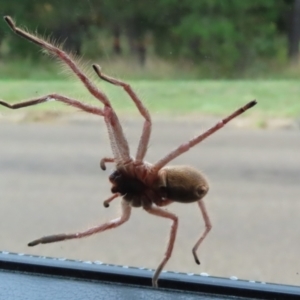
point(275, 98)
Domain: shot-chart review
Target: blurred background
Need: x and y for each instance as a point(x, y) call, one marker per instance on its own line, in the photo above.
point(171, 39)
point(191, 62)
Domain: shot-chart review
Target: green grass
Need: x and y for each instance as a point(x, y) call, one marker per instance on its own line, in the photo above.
point(275, 98)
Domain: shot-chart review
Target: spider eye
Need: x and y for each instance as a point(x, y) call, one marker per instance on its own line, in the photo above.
point(113, 177)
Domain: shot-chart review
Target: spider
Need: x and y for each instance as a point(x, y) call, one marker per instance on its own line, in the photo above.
point(139, 183)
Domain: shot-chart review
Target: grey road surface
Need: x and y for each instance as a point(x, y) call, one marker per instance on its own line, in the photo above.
point(50, 182)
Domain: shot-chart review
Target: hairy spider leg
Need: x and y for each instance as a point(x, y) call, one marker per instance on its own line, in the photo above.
point(208, 227)
point(126, 211)
point(196, 140)
point(116, 132)
point(145, 137)
point(56, 97)
point(164, 214)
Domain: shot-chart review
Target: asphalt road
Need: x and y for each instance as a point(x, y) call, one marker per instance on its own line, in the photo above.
point(50, 182)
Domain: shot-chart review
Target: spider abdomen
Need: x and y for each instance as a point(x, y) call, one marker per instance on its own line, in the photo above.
point(182, 184)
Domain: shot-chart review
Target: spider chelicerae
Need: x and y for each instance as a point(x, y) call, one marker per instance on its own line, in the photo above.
point(137, 182)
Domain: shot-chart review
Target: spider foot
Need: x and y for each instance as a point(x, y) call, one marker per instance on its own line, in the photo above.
point(48, 239)
point(197, 261)
point(5, 104)
point(105, 204)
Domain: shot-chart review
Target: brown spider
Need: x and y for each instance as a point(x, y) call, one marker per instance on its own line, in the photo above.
point(139, 183)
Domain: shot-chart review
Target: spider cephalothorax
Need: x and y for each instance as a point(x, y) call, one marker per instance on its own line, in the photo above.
point(133, 190)
point(139, 183)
